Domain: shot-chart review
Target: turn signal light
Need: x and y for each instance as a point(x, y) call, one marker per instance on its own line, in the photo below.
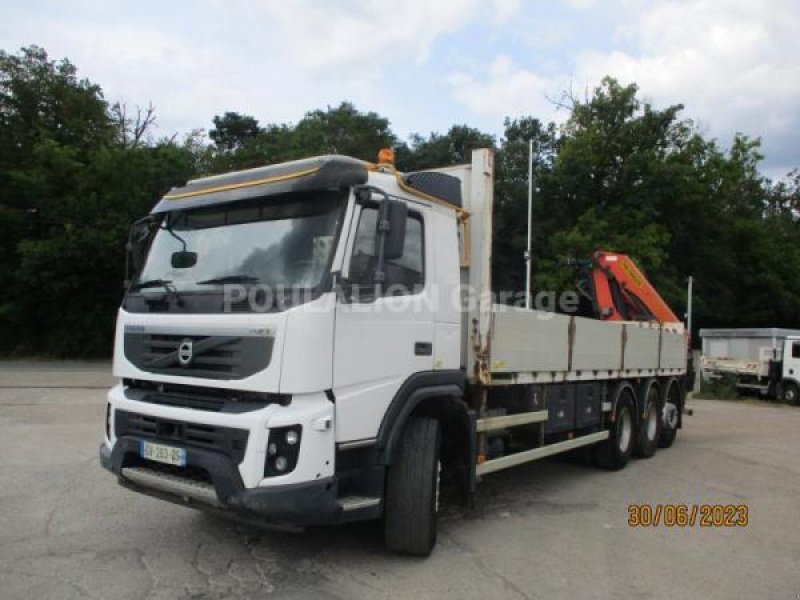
point(386, 156)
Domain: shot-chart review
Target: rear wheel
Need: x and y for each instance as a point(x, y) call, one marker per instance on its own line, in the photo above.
point(614, 453)
point(412, 490)
point(670, 415)
point(790, 393)
point(650, 423)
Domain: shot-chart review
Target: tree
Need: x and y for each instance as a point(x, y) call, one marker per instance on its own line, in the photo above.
point(440, 150)
point(73, 174)
point(131, 130)
point(342, 130)
point(511, 198)
point(620, 174)
point(232, 131)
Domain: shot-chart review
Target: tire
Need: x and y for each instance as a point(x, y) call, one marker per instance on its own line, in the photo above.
point(670, 414)
point(650, 424)
point(615, 452)
point(790, 393)
point(412, 490)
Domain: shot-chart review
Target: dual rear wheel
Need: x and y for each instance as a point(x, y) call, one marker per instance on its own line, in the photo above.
point(640, 433)
point(615, 452)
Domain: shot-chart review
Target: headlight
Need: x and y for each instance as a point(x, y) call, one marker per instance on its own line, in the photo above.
point(283, 450)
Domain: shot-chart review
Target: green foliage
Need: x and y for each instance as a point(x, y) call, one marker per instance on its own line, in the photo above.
point(453, 148)
point(69, 187)
point(232, 131)
point(619, 174)
point(242, 143)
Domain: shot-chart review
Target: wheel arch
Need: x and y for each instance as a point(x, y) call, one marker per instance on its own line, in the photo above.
point(429, 393)
point(791, 380)
point(438, 395)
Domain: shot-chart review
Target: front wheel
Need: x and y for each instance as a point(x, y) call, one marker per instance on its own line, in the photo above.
point(790, 393)
point(615, 452)
point(412, 490)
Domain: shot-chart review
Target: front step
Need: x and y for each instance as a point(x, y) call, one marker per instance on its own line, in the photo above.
point(349, 503)
point(171, 483)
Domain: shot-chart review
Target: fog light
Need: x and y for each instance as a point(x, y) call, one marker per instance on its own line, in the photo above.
point(291, 437)
point(281, 463)
point(272, 449)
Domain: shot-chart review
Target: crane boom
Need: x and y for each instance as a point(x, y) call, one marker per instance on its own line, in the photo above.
point(619, 291)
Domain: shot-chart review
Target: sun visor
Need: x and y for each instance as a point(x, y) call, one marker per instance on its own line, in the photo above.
point(318, 173)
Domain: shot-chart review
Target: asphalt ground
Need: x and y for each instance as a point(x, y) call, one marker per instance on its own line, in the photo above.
point(552, 529)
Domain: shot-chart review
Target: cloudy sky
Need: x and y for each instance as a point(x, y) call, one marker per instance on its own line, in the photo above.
point(426, 64)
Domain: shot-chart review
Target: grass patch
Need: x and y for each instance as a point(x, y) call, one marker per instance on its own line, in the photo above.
point(719, 389)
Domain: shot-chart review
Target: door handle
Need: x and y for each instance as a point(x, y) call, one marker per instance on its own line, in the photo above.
point(423, 349)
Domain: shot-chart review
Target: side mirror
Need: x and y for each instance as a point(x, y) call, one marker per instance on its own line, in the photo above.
point(392, 225)
point(183, 259)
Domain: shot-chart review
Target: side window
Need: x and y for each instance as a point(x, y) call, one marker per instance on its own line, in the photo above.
point(404, 275)
point(796, 350)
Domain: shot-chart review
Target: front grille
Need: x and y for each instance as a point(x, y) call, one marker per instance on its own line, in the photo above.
point(202, 398)
point(229, 441)
point(213, 357)
point(220, 356)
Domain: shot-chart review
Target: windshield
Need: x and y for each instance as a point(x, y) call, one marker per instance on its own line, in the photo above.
point(279, 241)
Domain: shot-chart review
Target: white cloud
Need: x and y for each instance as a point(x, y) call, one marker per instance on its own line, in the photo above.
point(582, 4)
point(320, 36)
point(507, 90)
point(505, 9)
point(274, 60)
point(734, 65)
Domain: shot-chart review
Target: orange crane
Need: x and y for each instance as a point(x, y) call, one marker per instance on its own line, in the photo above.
point(619, 291)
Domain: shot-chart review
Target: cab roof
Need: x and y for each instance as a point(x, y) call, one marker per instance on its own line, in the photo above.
point(330, 171)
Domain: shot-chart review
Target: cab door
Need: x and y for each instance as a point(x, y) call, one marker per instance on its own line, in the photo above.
point(791, 360)
point(382, 334)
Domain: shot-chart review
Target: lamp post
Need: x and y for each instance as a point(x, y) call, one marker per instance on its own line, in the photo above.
point(530, 215)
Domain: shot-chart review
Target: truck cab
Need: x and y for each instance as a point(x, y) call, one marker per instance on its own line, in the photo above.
point(272, 317)
point(790, 370)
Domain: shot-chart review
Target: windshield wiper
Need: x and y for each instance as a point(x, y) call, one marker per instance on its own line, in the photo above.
point(165, 283)
point(150, 283)
point(229, 279)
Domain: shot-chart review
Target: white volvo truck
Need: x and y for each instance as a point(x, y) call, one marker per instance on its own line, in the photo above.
point(316, 342)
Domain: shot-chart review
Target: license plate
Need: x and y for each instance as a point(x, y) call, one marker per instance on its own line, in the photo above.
point(164, 454)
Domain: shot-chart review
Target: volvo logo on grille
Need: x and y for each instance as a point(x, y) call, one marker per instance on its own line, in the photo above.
point(185, 353)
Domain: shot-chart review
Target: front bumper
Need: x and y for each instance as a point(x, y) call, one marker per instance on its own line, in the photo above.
point(307, 503)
